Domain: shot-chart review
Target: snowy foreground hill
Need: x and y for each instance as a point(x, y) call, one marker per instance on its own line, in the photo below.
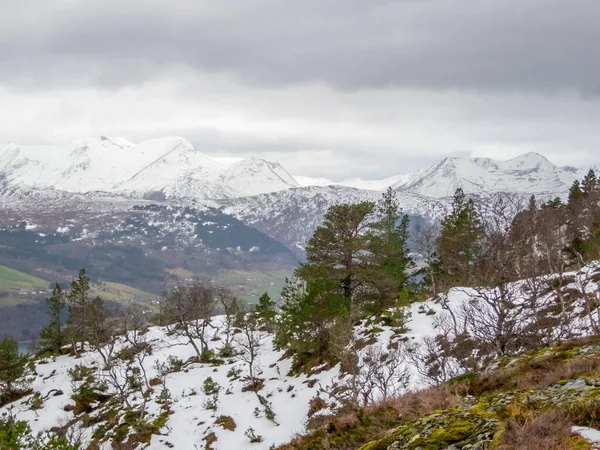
point(188, 404)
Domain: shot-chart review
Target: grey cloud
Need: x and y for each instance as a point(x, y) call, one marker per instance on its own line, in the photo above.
point(350, 44)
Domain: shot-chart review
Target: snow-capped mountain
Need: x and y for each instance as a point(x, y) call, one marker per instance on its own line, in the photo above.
point(169, 166)
point(530, 173)
point(89, 174)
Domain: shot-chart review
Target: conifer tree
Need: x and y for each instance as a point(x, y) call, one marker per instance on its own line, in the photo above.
point(590, 182)
point(12, 366)
point(389, 250)
point(309, 314)
point(266, 311)
point(338, 248)
point(79, 302)
point(457, 242)
point(53, 335)
point(575, 193)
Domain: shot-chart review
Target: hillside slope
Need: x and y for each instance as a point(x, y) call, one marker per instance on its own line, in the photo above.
point(178, 401)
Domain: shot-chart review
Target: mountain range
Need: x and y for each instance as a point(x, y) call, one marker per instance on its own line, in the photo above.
point(172, 168)
point(131, 212)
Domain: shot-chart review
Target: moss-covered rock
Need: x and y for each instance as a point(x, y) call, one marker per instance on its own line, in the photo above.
point(451, 429)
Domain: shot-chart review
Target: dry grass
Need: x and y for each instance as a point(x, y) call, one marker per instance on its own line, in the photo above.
point(536, 373)
point(352, 428)
point(548, 431)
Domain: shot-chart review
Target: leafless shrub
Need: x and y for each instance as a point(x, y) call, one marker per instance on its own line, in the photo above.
point(249, 343)
point(369, 374)
point(190, 309)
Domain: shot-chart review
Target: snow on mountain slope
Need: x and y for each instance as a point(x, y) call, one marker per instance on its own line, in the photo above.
point(255, 176)
point(530, 173)
point(170, 165)
point(292, 215)
point(308, 181)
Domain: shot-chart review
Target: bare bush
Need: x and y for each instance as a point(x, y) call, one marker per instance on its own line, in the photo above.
point(547, 431)
point(231, 309)
point(249, 343)
point(368, 374)
point(190, 309)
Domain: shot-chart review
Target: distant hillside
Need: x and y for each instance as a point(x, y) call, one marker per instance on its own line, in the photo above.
point(17, 287)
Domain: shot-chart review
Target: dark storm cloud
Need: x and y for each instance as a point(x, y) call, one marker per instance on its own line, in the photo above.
point(539, 45)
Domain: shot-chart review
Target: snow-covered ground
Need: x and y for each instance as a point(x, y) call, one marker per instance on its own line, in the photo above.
point(190, 421)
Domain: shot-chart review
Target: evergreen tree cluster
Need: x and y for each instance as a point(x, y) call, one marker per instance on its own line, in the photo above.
point(75, 317)
point(357, 262)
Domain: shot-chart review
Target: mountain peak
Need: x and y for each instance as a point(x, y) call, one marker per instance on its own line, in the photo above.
point(168, 164)
point(530, 160)
point(530, 173)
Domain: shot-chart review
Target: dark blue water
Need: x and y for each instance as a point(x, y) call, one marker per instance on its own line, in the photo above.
point(24, 347)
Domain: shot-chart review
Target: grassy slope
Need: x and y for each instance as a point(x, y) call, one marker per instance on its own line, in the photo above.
point(249, 285)
point(13, 281)
point(117, 291)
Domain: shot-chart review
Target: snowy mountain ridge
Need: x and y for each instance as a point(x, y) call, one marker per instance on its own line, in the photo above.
point(530, 173)
point(171, 167)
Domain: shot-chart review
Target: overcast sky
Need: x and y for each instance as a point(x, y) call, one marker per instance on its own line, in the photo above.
point(329, 88)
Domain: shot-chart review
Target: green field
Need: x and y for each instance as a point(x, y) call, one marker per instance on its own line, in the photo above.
point(120, 292)
point(250, 285)
point(18, 287)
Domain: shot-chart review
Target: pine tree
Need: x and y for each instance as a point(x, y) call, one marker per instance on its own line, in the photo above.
point(309, 313)
point(323, 290)
point(339, 247)
point(457, 242)
point(389, 250)
point(266, 311)
point(12, 366)
point(575, 193)
point(53, 335)
point(78, 307)
point(590, 182)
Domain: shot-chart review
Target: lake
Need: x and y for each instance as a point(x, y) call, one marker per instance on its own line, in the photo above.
point(24, 347)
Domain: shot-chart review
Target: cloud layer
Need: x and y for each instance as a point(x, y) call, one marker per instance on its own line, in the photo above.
point(327, 87)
